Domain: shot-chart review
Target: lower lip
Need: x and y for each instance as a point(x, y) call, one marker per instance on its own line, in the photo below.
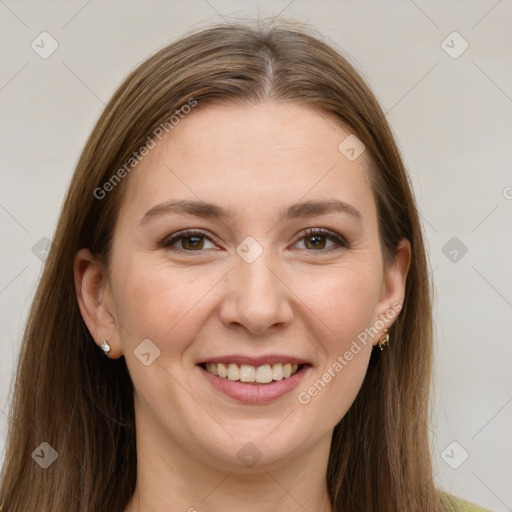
point(256, 393)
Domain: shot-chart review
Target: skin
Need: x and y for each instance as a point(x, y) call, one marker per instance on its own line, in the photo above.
point(293, 299)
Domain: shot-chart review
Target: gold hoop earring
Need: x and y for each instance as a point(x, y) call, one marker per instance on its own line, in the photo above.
point(384, 339)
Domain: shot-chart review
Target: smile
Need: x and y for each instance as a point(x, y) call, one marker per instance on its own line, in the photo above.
point(262, 374)
point(254, 381)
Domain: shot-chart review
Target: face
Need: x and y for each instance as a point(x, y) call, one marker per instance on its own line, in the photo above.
point(274, 284)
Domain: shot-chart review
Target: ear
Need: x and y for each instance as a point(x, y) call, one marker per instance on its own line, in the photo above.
point(393, 287)
point(95, 301)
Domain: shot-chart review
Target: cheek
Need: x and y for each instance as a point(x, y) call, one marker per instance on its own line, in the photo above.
point(340, 383)
point(160, 303)
point(351, 303)
point(346, 301)
point(346, 308)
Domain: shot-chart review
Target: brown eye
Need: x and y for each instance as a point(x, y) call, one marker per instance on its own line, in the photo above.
point(191, 241)
point(316, 240)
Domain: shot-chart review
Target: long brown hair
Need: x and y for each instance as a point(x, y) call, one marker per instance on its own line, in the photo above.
point(68, 394)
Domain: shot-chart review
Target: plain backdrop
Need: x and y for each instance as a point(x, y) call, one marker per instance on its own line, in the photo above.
point(448, 99)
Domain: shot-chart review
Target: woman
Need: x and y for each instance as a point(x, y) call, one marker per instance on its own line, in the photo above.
point(235, 313)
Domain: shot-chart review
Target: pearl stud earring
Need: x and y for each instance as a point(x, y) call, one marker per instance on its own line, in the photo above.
point(105, 346)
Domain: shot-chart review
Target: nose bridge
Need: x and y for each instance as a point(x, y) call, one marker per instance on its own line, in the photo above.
point(256, 277)
point(253, 262)
point(257, 298)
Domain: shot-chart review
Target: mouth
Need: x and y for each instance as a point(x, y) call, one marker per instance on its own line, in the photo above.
point(255, 375)
point(254, 380)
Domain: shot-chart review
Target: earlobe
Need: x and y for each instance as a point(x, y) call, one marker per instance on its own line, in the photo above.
point(95, 301)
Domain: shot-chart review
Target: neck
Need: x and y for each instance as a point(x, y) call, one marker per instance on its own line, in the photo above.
point(171, 479)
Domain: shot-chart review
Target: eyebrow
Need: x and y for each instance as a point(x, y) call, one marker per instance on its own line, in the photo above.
point(209, 210)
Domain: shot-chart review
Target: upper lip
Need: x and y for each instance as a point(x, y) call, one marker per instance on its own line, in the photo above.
point(254, 361)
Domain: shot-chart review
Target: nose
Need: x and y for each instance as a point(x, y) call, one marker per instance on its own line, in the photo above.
point(257, 297)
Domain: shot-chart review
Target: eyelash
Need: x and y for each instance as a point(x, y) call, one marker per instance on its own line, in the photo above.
point(331, 235)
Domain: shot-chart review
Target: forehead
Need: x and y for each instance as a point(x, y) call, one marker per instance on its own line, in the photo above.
point(251, 158)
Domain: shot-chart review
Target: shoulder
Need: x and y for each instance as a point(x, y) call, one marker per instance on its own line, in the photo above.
point(454, 504)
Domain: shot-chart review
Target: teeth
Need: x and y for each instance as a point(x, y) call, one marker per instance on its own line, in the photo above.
point(247, 373)
point(233, 372)
point(264, 374)
point(277, 371)
point(223, 371)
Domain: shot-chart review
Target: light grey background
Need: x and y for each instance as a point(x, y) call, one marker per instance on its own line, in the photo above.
point(452, 117)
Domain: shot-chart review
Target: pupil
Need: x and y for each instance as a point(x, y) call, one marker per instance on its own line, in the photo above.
point(318, 239)
point(195, 244)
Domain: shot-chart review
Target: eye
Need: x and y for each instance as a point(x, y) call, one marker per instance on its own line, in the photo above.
point(315, 239)
point(190, 241)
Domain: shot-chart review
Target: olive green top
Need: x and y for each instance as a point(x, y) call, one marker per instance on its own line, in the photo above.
point(454, 504)
point(451, 504)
